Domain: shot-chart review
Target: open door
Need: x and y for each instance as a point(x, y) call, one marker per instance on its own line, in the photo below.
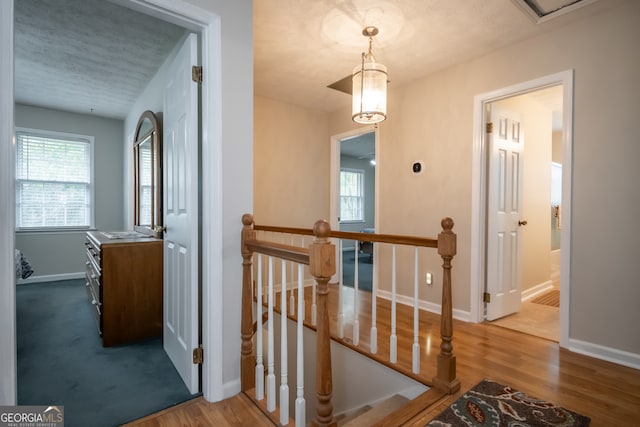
point(181, 278)
point(504, 212)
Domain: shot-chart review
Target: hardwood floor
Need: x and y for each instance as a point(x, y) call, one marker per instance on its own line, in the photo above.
point(534, 319)
point(608, 393)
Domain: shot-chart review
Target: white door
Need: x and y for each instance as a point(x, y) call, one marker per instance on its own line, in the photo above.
point(504, 213)
point(181, 278)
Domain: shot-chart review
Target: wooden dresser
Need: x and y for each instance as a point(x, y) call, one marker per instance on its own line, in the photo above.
point(124, 285)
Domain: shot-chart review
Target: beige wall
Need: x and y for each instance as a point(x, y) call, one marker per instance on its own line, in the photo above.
point(431, 120)
point(291, 164)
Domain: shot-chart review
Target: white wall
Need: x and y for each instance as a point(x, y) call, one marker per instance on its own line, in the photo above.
point(57, 255)
point(228, 188)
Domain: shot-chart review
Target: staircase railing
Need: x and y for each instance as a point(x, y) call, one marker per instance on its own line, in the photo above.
point(321, 258)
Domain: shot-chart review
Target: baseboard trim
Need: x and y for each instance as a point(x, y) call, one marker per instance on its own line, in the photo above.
point(51, 278)
point(432, 307)
point(231, 388)
point(620, 357)
point(534, 291)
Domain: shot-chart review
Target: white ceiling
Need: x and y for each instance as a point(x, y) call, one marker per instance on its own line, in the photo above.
point(94, 56)
point(87, 56)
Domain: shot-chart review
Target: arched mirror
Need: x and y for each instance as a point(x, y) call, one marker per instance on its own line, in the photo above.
point(147, 190)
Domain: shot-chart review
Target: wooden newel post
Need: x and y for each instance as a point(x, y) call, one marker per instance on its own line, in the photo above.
point(247, 358)
point(322, 256)
point(446, 379)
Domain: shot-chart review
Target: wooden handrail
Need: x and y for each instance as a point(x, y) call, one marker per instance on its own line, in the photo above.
point(278, 250)
point(350, 235)
point(321, 258)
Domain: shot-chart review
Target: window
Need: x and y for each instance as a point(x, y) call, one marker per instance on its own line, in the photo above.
point(351, 195)
point(54, 185)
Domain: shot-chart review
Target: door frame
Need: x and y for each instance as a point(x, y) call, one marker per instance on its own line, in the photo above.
point(334, 173)
point(479, 194)
point(208, 26)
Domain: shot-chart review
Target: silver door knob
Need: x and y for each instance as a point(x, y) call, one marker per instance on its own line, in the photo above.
point(521, 223)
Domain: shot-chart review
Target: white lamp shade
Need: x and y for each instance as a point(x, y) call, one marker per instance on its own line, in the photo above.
point(369, 102)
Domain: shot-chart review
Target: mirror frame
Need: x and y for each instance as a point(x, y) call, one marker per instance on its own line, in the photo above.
point(154, 229)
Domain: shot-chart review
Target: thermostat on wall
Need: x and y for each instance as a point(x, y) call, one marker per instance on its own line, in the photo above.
point(417, 167)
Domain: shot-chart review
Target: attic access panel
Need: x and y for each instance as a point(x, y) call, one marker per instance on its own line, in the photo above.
point(543, 10)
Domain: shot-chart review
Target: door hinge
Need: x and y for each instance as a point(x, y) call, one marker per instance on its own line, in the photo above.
point(198, 355)
point(196, 73)
point(486, 297)
point(490, 127)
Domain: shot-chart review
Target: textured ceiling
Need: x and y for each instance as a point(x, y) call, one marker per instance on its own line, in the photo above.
point(88, 56)
point(94, 56)
point(301, 46)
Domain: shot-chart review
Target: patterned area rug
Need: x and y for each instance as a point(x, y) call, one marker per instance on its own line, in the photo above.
point(493, 404)
point(551, 298)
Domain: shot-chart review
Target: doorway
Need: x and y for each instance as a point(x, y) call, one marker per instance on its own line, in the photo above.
point(480, 196)
point(208, 25)
point(355, 151)
point(525, 128)
point(357, 207)
point(117, 19)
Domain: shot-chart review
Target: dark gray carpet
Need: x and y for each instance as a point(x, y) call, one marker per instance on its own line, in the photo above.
point(365, 270)
point(61, 361)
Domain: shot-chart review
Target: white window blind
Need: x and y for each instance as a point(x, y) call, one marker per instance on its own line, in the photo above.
point(351, 195)
point(53, 180)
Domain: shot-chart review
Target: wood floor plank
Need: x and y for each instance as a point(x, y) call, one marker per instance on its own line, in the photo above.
point(237, 411)
point(606, 392)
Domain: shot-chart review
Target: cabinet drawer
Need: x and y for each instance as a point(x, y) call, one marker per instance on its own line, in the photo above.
point(93, 253)
point(95, 306)
point(93, 281)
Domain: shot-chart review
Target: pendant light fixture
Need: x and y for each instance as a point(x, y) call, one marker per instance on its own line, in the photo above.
point(369, 102)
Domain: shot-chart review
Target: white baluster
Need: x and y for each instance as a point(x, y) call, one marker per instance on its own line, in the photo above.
point(259, 363)
point(265, 295)
point(284, 386)
point(301, 277)
point(271, 376)
point(393, 339)
point(356, 316)
point(292, 298)
point(340, 325)
point(374, 307)
point(300, 401)
point(416, 318)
